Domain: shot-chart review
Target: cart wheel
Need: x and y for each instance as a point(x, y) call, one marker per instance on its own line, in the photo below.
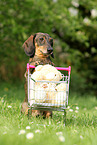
point(64, 118)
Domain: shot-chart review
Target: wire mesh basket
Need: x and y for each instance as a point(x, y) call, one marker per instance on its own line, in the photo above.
point(48, 95)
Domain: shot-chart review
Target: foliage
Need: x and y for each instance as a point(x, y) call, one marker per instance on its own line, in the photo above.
point(72, 24)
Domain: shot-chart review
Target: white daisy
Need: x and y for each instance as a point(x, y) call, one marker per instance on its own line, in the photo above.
point(59, 133)
point(96, 108)
point(37, 131)
point(2, 100)
point(31, 122)
point(73, 11)
point(74, 116)
point(44, 126)
point(9, 106)
point(94, 13)
point(76, 111)
point(54, 1)
point(62, 138)
point(28, 127)
point(71, 110)
point(5, 132)
point(77, 107)
point(75, 3)
point(86, 20)
point(68, 107)
point(22, 132)
point(81, 137)
point(29, 135)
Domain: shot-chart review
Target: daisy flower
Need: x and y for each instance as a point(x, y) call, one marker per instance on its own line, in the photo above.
point(76, 111)
point(94, 13)
point(22, 132)
point(75, 3)
point(59, 133)
point(28, 127)
point(54, 1)
point(5, 132)
point(71, 110)
point(2, 100)
point(86, 21)
point(31, 122)
point(81, 137)
point(62, 138)
point(9, 106)
point(37, 131)
point(29, 135)
point(77, 108)
point(68, 107)
point(73, 11)
point(96, 108)
point(44, 126)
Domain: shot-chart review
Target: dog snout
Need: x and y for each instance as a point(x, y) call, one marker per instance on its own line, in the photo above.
point(50, 49)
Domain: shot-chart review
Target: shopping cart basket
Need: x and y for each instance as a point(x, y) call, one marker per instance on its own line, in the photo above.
point(48, 98)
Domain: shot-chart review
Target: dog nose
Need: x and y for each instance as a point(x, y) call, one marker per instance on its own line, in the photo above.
point(50, 49)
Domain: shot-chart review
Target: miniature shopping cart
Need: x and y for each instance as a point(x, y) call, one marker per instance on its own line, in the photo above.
point(44, 95)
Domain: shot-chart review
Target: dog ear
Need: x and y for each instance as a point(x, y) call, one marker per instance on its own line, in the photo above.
point(51, 42)
point(52, 55)
point(29, 46)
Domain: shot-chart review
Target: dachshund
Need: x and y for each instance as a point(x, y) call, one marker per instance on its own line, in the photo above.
point(39, 48)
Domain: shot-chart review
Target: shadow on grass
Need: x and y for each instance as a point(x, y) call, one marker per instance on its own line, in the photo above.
point(84, 120)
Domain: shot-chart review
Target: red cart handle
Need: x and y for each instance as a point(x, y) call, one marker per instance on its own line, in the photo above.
point(58, 68)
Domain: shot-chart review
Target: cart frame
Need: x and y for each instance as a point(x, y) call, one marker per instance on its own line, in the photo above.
point(45, 106)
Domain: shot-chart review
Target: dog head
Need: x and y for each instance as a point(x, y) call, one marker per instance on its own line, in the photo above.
point(39, 44)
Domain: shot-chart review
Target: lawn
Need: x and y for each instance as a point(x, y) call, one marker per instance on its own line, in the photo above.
point(80, 129)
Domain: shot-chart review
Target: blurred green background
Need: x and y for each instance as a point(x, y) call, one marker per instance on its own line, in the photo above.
point(72, 24)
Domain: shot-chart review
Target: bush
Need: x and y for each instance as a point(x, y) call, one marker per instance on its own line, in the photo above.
point(72, 24)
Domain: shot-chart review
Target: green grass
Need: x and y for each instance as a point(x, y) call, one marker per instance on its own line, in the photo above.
point(81, 127)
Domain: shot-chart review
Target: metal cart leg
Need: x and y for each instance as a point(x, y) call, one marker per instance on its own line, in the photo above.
point(29, 113)
point(64, 117)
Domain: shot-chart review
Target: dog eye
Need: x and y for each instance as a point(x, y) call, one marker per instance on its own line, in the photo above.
point(41, 39)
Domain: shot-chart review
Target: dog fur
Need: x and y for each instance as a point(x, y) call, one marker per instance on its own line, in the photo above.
point(39, 48)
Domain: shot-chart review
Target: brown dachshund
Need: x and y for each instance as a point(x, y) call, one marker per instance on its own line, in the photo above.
point(39, 48)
